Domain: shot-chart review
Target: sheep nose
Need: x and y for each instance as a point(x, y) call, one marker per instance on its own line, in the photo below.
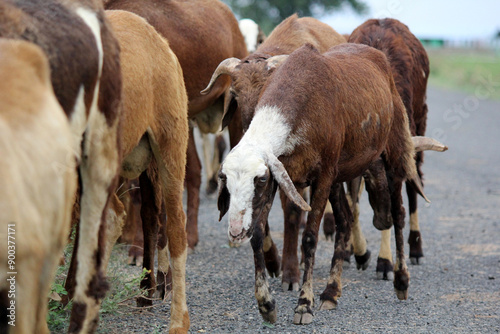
point(235, 231)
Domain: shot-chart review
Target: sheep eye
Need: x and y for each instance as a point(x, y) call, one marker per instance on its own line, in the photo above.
point(263, 179)
point(222, 177)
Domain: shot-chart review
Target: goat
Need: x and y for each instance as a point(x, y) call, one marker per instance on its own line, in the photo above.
point(321, 119)
point(38, 176)
point(85, 75)
point(410, 69)
point(154, 143)
point(200, 45)
point(249, 76)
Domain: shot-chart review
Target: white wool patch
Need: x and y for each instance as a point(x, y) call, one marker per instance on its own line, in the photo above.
point(266, 135)
point(90, 19)
point(270, 132)
point(250, 31)
point(78, 121)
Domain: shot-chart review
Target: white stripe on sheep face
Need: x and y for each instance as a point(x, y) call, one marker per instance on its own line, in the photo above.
point(248, 164)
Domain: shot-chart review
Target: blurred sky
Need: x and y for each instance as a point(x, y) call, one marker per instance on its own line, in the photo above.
point(448, 19)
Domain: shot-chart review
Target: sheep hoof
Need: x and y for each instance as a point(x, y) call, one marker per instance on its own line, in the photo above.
point(131, 260)
point(139, 260)
point(270, 316)
point(302, 318)
point(362, 261)
point(416, 260)
point(401, 294)
point(385, 269)
point(327, 305)
point(177, 330)
point(274, 273)
point(289, 286)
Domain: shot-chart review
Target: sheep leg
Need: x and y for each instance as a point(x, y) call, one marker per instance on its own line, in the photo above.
point(207, 158)
point(98, 171)
point(136, 250)
point(265, 301)
point(415, 238)
point(193, 182)
point(385, 269)
point(319, 196)
point(328, 222)
point(271, 254)
point(401, 274)
point(343, 220)
point(170, 154)
point(361, 253)
point(164, 273)
point(149, 216)
point(379, 196)
point(290, 265)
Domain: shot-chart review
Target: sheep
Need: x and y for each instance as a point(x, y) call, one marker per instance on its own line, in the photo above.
point(321, 119)
point(200, 45)
point(154, 143)
point(254, 36)
point(38, 177)
point(249, 76)
point(410, 69)
point(85, 76)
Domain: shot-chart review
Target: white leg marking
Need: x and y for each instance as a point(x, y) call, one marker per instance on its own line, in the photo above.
point(385, 245)
point(414, 226)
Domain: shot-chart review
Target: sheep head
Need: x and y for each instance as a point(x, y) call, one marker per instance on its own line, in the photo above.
point(248, 79)
point(247, 183)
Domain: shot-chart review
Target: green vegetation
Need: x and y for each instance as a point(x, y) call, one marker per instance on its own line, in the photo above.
point(269, 13)
point(123, 288)
point(472, 71)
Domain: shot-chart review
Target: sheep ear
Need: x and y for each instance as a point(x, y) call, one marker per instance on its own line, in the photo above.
point(230, 107)
point(281, 176)
point(223, 198)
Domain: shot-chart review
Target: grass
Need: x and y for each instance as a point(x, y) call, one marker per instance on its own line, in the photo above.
point(123, 288)
point(472, 71)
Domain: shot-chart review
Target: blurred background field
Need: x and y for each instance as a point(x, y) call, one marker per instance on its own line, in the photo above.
point(465, 69)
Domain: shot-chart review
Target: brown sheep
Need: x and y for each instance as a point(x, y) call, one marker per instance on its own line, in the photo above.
point(200, 45)
point(410, 69)
point(249, 76)
point(38, 177)
point(85, 74)
point(321, 119)
point(154, 143)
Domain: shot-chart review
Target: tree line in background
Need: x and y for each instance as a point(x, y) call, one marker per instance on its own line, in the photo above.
point(269, 13)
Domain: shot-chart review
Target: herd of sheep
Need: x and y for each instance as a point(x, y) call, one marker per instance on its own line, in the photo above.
point(95, 93)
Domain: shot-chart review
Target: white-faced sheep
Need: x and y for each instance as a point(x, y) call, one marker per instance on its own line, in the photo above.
point(249, 76)
point(321, 119)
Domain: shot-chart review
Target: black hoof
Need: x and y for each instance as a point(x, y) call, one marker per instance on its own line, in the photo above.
point(416, 252)
point(385, 269)
point(362, 261)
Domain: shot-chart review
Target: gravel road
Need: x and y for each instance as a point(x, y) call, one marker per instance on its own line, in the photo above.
point(456, 290)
